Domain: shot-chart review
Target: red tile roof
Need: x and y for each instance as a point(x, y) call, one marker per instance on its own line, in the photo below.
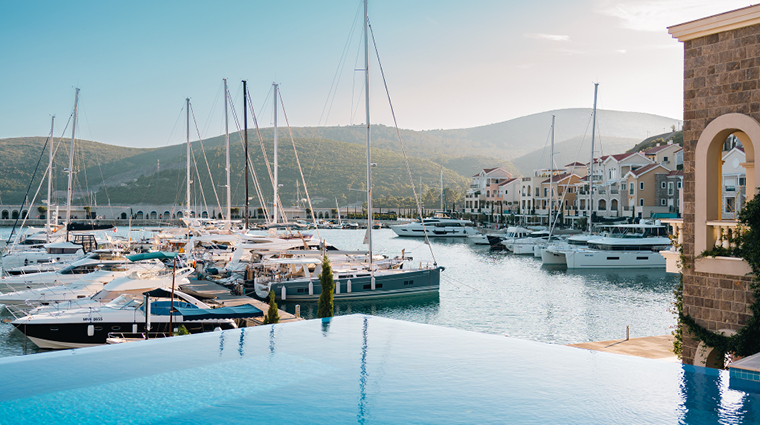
point(508, 181)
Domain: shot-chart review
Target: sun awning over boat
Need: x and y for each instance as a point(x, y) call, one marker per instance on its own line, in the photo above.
point(234, 312)
point(151, 255)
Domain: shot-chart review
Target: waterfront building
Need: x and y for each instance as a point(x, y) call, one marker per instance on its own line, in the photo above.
point(721, 95)
point(666, 154)
point(734, 181)
point(482, 196)
point(509, 196)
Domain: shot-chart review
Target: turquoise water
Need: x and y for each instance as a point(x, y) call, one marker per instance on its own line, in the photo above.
point(360, 369)
point(498, 293)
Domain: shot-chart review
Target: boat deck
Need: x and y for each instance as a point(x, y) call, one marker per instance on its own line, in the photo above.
point(226, 299)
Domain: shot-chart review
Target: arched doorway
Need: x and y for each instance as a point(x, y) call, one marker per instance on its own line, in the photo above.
point(710, 357)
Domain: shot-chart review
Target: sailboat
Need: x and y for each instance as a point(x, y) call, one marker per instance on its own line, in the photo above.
point(297, 278)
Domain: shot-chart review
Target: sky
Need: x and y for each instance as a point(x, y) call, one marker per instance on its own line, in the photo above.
point(448, 64)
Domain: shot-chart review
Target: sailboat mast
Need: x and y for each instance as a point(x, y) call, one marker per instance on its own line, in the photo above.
point(369, 158)
point(245, 126)
point(591, 177)
point(187, 186)
point(228, 215)
point(50, 182)
point(71, 160)
point(441, 187)
point(551, 179)
point(276, 186)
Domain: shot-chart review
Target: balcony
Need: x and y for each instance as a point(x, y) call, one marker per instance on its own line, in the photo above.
point(721, 233)
point(614, 191)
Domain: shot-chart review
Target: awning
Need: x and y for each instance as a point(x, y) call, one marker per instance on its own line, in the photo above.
point(236, 312)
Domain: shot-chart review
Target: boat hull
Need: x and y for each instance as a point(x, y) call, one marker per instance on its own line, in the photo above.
point(590, 259)
point(407, 230)
point(358, 287)
point(57, 336)
point(550, 257)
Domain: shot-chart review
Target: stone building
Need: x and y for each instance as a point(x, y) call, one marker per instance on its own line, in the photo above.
point(721, 99)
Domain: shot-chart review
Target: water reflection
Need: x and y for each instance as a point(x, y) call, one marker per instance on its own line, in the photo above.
point(361, 417)
point(380, 306)
point(707, 398)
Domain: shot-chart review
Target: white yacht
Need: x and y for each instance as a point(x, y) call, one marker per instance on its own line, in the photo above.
point(499, 241)
point(441, 225)
point(91, 326)
point(627, 246)
point(554, 254)
point(74, 271)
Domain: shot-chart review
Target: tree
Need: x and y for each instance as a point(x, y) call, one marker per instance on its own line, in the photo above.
point(273, 315)
point(325, 308)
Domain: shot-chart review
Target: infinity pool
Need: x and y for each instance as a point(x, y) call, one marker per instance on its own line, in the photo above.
point(360, 369)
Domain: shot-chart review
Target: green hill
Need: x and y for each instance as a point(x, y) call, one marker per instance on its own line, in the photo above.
point(147, 176)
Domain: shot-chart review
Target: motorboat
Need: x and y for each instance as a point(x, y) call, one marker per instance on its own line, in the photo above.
point(151, 312)
point(499, 241)
point(554, 253)
point(626, 246)
point(76, 270)
point(441, 225)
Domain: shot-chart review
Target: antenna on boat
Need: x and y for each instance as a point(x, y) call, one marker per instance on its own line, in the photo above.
point(71, 163)
point(245, 127)
point(591, 177)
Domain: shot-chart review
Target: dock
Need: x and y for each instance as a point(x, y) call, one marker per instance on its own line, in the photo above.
point(650, 347)
point(227, 299)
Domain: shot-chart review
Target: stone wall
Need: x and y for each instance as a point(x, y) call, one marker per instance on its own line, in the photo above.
point(721, 73)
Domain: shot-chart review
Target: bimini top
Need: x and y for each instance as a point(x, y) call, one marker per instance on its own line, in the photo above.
point(151, 255)
point(234, 312)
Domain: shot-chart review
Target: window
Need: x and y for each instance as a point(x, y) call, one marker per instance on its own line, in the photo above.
point(742, 182)
point(665, 159)
point(546, 192)
point(662, 185)
point(670, 188)
point(663, 201)
point(538, 192)
point(641, 185)
point(679, 184)
point(641, 202)
point(630, 189)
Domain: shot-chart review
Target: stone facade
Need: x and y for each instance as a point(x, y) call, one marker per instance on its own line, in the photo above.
point(721, 73)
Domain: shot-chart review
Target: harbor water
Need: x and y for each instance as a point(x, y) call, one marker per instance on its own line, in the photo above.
point(496, 293)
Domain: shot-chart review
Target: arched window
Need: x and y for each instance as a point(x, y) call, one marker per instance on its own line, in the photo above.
point(602, 206)
point(614, 205)
point(708, 173)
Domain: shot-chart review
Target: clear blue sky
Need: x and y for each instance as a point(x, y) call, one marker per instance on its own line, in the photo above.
point(449, 64)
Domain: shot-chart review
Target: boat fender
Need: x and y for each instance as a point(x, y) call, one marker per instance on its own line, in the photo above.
point(91, 330)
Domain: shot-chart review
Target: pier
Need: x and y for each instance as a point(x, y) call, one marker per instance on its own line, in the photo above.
point(227, 299)
point(650, 347)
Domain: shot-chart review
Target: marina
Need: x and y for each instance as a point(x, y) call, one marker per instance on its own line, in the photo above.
point(491, 292)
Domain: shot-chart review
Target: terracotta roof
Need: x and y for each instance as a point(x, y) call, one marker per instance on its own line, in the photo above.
point(676, 173)
point(486, 170)
point(574, 164)
point(655, 149)
point(508, 181)
point(558, 178)
point(645, 169)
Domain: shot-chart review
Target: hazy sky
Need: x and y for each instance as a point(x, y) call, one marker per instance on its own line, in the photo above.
point(449, 64)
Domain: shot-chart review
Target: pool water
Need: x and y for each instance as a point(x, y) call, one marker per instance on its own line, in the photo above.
point(360, 369)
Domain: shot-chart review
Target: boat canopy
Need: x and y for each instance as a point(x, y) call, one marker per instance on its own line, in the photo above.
point(234, 312)
point(151, 255)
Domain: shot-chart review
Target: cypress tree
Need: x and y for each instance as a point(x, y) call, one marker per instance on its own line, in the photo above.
point(273, 315)
point(325, 308)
